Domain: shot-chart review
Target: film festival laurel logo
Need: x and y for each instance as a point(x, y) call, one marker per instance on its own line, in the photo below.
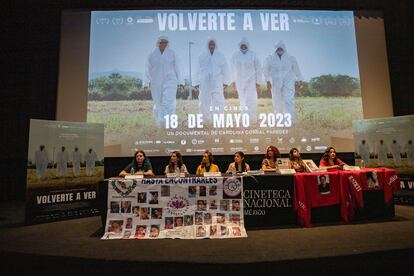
point(232, 187)
point(178, 205)
point(123, 187)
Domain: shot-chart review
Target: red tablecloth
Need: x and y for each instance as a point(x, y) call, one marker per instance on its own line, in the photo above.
point(344, 188)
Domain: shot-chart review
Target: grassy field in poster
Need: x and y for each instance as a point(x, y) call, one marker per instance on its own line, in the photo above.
point(127, 121)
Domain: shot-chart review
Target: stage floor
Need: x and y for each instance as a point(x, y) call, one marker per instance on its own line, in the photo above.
point(79, 238)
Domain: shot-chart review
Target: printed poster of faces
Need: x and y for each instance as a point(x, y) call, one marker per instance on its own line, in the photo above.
point(183, 211)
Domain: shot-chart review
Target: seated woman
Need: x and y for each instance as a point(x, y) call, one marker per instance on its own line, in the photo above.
point(176, 164)
point(239, 165)
point(269, 164)
point(207, 164)
point(295, 161)
point(330, 161)
point(140, 165)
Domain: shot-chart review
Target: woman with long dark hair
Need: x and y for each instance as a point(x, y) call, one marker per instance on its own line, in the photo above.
point(207, 164)
point(176, 164)
point(330, 161)
point(139, 165)
point(239, 165)
point(295, 160)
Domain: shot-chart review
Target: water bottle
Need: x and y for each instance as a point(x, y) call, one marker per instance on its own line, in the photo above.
point(132, 171)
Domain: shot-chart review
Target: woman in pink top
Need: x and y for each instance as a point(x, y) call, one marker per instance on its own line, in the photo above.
point(330, 161)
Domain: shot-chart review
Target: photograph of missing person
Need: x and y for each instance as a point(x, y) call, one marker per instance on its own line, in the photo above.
point(165, 190)
point(201, 205)
point(153, 198)
point(372, 179)
point(323, 184)
point(236, 231)
point(115, 207)
point(213, 190)
point(207, 218)
point(154, 231)
point(178, 221)
point(169, 223)
point(135, 211)
point(125, 206)
point(203, 191)
point(140, 231)
point(144, 213)
point(213, 204)
point(128, 224)
point(127, 235)
point(235, 218)
point(311, 166)
point(115, 226)
point(235, 205)
point(142, 197)
point(198, 218)
point(156, 213)
point(213, 230)
point(224, 205)
point(221, 217)
point(192, 191)
point(188, 220)
point(201, 231)
point(223, 230)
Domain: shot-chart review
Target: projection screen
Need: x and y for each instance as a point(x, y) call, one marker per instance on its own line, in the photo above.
point(227, 80)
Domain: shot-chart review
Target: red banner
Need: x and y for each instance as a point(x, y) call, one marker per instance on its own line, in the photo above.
point(345, 188)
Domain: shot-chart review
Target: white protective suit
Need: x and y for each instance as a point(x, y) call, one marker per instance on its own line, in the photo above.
point(212, 73)
point(62, 159)
point(282, 72)
point(76, 161)
point(246, 73)
point(163, 74)
point(90, 159)
point(409, 150)
point(382, 154)
point(41, 161)
point(363, 150)
point(396, 153)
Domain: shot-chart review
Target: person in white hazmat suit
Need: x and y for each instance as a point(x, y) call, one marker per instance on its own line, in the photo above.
point(76, 161)
point(382, 151)
point(62, 159)
point(90, 159)
point(363, 150)
point(409, 150)
point(396, 152)
point(163, 75)
point(41, 161)
point(281, 71)
point(247, 76)
point(213, 75)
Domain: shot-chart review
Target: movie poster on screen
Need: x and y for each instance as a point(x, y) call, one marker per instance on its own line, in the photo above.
point(64, 166)
point(385, 142)
point(224, 80)
point(176, 208)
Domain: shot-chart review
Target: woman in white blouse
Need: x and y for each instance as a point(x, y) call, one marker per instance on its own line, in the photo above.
point(176, 164)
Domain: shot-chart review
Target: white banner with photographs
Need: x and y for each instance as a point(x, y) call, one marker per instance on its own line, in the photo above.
point(183, 208)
